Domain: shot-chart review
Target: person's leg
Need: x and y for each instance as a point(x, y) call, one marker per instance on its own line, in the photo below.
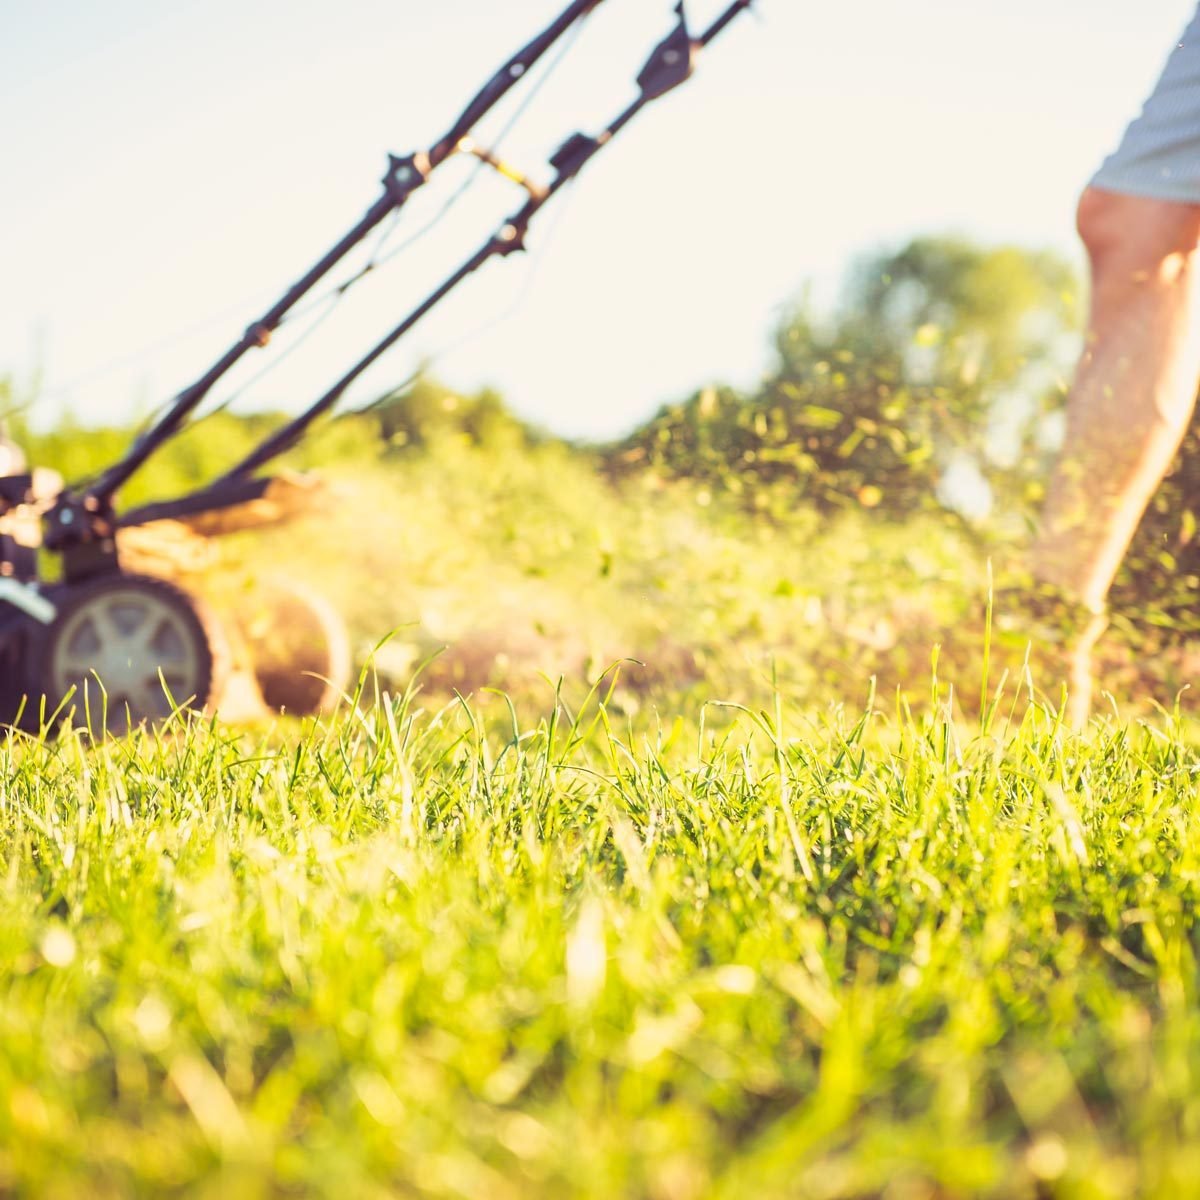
point(1136, 382)
point(1134, 390)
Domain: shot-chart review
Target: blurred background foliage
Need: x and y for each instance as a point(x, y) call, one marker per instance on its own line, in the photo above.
point(898, 438)
point(931, 384)
point(925, 387)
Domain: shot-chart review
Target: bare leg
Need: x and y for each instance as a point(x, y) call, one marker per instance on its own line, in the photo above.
point(1129, 407)
point(1134, 390)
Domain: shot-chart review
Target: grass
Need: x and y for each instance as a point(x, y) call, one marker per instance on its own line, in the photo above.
point(483, 952)
point(633, 942)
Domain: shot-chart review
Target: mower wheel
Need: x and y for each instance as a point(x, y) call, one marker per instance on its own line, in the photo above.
point(133, 648)
point(298, 645)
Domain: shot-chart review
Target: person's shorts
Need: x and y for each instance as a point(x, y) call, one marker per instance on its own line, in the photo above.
point(1159, 155)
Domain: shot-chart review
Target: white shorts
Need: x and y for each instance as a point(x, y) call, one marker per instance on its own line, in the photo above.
point(1159, 155)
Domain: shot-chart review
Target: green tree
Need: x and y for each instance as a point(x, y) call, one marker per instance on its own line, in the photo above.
point(427, 411)
point(938, 354)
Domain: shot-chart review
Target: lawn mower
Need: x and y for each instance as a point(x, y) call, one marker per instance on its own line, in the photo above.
point(81, 629)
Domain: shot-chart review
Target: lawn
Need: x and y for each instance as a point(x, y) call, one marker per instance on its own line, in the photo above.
point(559, 950)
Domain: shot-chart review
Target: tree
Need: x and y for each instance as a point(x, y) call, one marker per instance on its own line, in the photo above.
point(427, 411)
point(937, 355)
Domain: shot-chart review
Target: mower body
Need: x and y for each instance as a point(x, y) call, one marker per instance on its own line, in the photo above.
point(109, 648)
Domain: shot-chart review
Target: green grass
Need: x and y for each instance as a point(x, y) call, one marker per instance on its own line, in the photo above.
point(628, 944)
point(481, 952)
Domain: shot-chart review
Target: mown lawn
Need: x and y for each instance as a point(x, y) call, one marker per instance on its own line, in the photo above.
point(485, 954)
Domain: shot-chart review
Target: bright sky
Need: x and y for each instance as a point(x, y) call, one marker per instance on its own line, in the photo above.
point(170, 167)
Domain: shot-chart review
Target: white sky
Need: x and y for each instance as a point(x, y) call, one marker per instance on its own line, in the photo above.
point(169, 167)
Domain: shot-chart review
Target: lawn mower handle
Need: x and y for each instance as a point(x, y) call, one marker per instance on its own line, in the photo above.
point(82, 523)
point(670, 64)
point(404, 176)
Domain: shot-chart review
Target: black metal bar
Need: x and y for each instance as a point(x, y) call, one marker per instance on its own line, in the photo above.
point(287, 436)
point(255, 335)
point(718, 26)
point(507, 75)
point(216, 496)
point(568, 161)
point(404, 176)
